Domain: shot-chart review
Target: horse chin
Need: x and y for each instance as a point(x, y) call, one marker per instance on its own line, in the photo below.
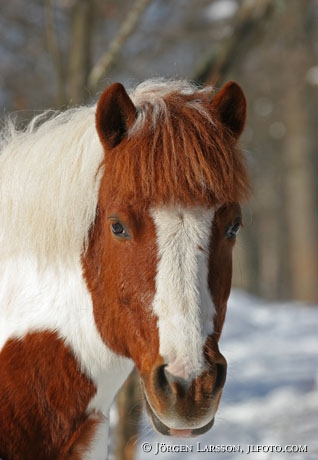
point(162, 428)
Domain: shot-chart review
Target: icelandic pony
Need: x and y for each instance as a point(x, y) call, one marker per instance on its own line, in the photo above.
point(116, 231)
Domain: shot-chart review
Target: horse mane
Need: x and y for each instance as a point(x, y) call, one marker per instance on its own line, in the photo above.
point(177, 151)
point(49, 184)
point(50, 172)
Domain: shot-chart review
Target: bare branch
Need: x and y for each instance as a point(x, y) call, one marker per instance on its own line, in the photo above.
point(107, 59)
point(251, 18)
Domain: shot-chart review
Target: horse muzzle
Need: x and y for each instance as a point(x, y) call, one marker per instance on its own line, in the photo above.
point(185, 407)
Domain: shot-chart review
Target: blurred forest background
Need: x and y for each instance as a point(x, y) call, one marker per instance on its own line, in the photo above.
point(59, 53)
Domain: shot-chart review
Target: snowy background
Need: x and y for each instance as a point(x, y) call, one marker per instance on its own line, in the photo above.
point(270, 397)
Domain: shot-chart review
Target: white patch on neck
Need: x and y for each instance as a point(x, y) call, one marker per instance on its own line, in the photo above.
point(183, 301)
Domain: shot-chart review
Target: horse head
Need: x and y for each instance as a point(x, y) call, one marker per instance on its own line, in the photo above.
point(159, 258)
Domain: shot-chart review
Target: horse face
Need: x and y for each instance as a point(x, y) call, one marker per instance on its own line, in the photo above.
point(164, 277)
point(160, 276)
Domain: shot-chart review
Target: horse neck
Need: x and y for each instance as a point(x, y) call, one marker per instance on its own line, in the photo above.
point(56, 299)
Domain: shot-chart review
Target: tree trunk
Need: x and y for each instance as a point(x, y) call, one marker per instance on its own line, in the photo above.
point(129, 406)
point(80, 50)
point(300, 211)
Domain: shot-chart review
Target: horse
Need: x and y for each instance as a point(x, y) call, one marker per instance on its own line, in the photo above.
point(116, 233)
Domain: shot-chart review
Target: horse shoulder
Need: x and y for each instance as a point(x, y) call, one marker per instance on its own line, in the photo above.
point(43, 400)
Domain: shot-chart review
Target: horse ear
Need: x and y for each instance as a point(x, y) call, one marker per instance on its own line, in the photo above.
point(115, 114)
point(230, 104)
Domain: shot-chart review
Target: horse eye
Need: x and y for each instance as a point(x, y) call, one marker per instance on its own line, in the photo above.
point(119, 230)
point(233, 230)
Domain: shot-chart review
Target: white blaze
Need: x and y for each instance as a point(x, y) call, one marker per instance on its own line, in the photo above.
point(182, 300)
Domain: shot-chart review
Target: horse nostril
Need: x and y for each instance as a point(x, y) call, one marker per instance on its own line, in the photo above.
point(220, 376)
point(178, 385)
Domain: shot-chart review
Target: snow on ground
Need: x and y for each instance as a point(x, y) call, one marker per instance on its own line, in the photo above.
point(270, 397)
